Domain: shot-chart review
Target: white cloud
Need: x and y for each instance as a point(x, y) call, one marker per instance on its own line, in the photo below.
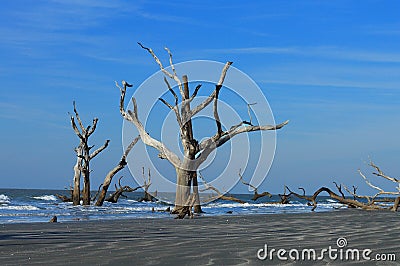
point(331, 52)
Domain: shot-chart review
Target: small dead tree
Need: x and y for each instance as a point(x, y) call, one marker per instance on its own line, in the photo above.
point(146, 184)
point(121, 165)
point(113, 198)
point(194, 152)
point(84, 156)
point(285, 198)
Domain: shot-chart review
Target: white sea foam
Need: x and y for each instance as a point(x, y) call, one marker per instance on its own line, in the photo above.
point(20, 208)
point(256, 205)
point(4, 198)
point(46, 197)
point(331, 200)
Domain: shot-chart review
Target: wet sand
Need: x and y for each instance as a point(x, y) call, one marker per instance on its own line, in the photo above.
point(223, 240)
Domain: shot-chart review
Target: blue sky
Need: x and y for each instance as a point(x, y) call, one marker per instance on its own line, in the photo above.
point(331, 67)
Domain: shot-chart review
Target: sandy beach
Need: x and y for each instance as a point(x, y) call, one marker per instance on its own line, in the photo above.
point(222, 240)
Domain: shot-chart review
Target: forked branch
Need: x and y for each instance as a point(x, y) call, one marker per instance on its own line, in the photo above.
point(210, 98)
point(173, 76)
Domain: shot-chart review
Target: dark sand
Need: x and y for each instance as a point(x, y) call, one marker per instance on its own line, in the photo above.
point(223, 240)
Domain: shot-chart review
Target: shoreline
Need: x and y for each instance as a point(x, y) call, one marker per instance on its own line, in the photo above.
point(206, 240)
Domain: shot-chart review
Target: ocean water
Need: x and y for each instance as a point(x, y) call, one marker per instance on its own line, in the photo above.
point(31, 205)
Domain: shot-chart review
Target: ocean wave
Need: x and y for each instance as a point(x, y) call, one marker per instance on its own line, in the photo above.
point(4, 198)
point(331, 200)
point(46, 197)
point(257, 205)
point(20, 208)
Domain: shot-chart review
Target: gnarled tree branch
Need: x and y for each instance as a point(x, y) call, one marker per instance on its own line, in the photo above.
point(132, 116)
point(256, 194)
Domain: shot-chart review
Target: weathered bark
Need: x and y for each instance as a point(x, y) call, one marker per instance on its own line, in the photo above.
point(86, 184)
point(76, 193)
point(186, 208)
point(396, 204)
point(182, 188)
point(197, 205)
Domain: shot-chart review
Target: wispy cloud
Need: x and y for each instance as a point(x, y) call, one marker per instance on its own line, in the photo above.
point(326, 74)
point(317, 51)
point(255, 50)
point(386, 29)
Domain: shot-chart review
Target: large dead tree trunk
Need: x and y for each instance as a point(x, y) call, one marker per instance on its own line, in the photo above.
point(84, 156)
point(194, 153)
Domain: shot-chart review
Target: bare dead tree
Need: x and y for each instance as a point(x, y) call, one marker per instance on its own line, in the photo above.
point(285, 198)
point(121, 165)
point(146, 184)
point(84, 156)
point(256, 194)
point(194, 153)
point(119, 191)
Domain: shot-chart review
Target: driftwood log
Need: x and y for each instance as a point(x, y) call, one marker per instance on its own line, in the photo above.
point(359, 201)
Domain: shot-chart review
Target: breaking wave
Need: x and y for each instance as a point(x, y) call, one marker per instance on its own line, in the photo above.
point(4, 199)
point(20, 208)
point(46, 197)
